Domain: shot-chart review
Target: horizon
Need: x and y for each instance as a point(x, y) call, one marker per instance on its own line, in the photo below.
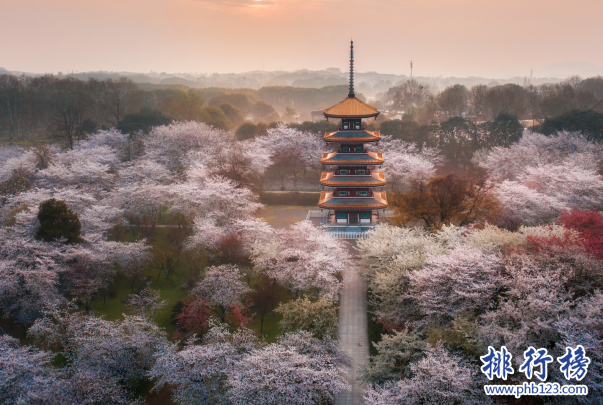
point(583, 64)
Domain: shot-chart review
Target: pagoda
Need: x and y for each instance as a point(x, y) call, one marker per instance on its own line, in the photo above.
point(352, 183)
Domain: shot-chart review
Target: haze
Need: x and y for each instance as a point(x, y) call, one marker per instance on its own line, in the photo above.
point(443, 37)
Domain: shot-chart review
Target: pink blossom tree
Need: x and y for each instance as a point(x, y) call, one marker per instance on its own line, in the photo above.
point(405, 162)
point(198, 373)
point(439, 378)
point(302, 257)
point(462, 280)
point(221, 288)
point(287, 372)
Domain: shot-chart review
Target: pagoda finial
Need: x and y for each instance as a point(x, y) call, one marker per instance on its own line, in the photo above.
point(351, 94)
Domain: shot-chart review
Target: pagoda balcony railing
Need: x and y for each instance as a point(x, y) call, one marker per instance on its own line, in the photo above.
point(361, 128)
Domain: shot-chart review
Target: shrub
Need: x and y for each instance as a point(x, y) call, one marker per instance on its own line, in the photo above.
point(318, 318)
point(57, 221)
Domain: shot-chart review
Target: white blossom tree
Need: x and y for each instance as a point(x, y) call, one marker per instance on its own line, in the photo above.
point(146, 303)
point(184, 143)
point(307, 147)
point(535, 149)
point(389, 255)
point(405, 162)
point(222, 288)
point(198, 373)
point(440, 378)
point(302, 257)
point(26, 375)
point(540, 176)
point(298, 369)
point(462, 280)
point(123, 350)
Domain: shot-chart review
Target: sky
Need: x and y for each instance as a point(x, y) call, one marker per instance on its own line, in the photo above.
point(490, 38)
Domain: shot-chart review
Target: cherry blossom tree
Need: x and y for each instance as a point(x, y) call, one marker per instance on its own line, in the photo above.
point(527, 311)
point(535, 149)
point(395, 353)
point(208, 233)
point(305, 146)
point(302, 257)
point(143, 171)
point(439, 378)
point(405, 162)
point(199, 372)
point(146, 303)
point(184, 143)
point(124, 350)
point(29, 274)
point(583, 327)
point(88, 387)
point(202, 193)
point(389, 255)
point(462, 280)
point(571, 183)
point(16, 159)
point(541, 176)
point(26, 375)
point(221, 288)
point(112, 138)
point(318, 318)
point(287, 372)
point(84, 170)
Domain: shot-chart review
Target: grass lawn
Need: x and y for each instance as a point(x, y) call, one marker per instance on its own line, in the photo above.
point(171, 291)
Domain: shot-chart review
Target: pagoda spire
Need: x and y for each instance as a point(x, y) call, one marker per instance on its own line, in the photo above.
point(351, 93)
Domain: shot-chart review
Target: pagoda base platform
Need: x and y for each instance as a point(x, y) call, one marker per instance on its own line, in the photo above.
point(349, 231)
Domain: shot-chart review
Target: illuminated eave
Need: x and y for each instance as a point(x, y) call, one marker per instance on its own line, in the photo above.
point(351, 107)
point(347, 159)
point(376, 202)
point(375, 179)
point(352, 136)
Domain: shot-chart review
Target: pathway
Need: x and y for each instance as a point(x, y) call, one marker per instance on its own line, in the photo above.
point(353, 331)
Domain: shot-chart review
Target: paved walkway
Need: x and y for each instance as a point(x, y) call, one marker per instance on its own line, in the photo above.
point(353, 331)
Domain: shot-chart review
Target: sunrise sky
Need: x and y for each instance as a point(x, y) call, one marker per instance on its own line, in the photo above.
point(491, 38)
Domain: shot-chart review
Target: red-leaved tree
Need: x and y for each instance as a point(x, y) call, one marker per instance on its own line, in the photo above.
point(589, 224)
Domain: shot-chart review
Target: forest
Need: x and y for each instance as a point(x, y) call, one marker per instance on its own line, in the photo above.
point(135, 266)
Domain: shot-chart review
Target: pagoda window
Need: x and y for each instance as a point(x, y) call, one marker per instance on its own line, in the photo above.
point(345, 148)
point(359, 149)
point(343, 171)
point(365, 218)
point(346, 125)
point(357, 125)
point(342, 193)
point(342, 218)
point(363, 193)
point(361, 171)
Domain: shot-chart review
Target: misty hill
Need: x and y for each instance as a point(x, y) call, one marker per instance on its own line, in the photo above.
point(368, 83)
